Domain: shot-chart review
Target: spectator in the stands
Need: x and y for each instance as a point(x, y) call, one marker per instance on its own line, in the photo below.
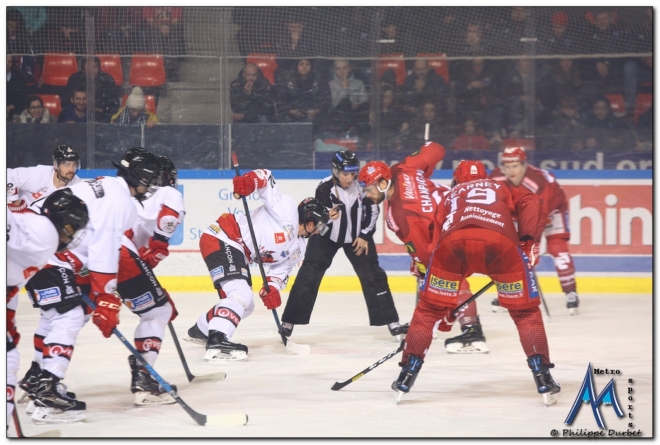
point(474, 44)
point(644, 130)
point(107, 94)
point(607, 132)
point(471, 138)
point(117, 28)
point(564, 79)
point(251, 97)
point(302, 97)
point(35, 113)
point(65, 33)
point(164, 35)
point(475, 83)
point(76, 111)
point(135, 111)
point(34, 17)
point(605, 74)
point(352, 39)
point(21, 41)
point(349, 100)
point(441, 128)
point(635, 72)
point(558, 38)
point(422, 85)
point(396, 38)
point(393, 121)
point(293, 43)
point(16, 87)
point(516, 89)
point(566, 131)
point(507, 36)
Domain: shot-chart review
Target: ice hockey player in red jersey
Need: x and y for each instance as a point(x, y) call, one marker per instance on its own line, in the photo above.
point(32, 239)
point(553, 223)
point(281, 228)
point(412, 202)
point(475, 233)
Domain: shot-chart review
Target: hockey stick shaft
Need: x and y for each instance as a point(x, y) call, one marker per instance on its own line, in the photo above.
point(19, 430)
point(538, 285)
point(472, 298)
point(234, 159)
point(191, 377)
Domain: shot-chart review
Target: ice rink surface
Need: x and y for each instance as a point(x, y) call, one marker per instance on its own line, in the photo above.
point(287, 395)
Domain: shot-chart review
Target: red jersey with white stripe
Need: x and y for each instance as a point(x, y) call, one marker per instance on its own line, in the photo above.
point(32, 183)
point(411, 209)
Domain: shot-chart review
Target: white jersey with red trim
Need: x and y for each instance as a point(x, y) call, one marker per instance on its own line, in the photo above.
point(161, 213)
point(31, 241)
point(276, 227)
point(32, 183)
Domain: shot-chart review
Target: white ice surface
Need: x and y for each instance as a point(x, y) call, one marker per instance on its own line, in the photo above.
point(286, 395)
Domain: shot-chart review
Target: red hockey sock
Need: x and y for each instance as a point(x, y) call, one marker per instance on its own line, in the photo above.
point(532, 332)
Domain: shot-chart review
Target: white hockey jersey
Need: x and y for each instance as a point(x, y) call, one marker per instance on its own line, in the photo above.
point(32, 183)
point(161, 213)
point(31, 241)
point(275, 226)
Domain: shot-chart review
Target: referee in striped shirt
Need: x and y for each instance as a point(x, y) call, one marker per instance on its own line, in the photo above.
point(352, 225)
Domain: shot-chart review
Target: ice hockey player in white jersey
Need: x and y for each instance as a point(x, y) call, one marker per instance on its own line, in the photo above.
point(281, 228)
point(143, 247)
point(28, 184)
point(55, 288)
point(32, 239)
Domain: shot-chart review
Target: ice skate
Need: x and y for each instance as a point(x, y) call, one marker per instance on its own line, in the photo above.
point(28, 381)
point(471, 341)
point(52, 404)
point(398, 331)
point(404, 383)
point(146, 389)
point(572, 303)
point(495, 306)
point(196, 336)
point(287, 329)
point(219, 348)
point(544, 382)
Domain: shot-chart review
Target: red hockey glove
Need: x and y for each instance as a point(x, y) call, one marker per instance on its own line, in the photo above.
point(17, 206)
point(106, 314)
point(248, 183)
point(272, 298)
point(156, 252)
point(417, 269)
point(175, 313)
point(447, 322)
point(531, 249)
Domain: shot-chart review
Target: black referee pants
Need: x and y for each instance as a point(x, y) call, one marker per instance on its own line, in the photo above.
point(318, 257)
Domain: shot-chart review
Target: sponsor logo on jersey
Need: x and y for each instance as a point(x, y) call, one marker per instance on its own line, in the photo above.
point(232, 268)
point(215, 228)
point(510, 290)
point(244, 272)
point(280, 237)
point(148, 344)
point(140, 303)
point(217, 273)
point(97, 187)
point(410, 247)
point(55, 350)
point(228, 314)
point(284, 253)
point(447, 286)
point(48, 296)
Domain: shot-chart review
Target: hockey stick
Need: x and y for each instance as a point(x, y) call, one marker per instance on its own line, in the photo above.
point(192, 378)
point(337, 386)
point(19, 430)
point(202, 419)
point(538, 285)
point(291, 346)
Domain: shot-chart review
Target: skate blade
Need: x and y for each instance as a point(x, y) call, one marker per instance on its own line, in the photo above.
point(144, 398)
point(52, 416)
point(217, 356)
point(397, 396)
point(477, 347)
point(23, 397)
point(30, 407)
point(549, 399)
point(195, 341)
point(573, 311)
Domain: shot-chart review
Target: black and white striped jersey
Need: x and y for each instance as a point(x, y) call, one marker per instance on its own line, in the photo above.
point(358, 217)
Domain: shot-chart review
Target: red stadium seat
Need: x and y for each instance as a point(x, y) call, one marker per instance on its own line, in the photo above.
point(266, 63)
point(150, 102)
point(51, 103)
point(147, 70)
point(527, 144)
point(111, 64)
point(644, 102)
point(348, 144)
point(58, 67)
point(618, 104)
point(440, 66)
point(394, 62)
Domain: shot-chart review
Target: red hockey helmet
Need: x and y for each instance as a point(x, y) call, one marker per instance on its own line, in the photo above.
point(469, 171)
point(514, 154)
point(374, 171)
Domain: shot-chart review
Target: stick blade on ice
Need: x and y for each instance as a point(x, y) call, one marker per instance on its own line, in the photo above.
point(232, 419)
point(209, 377)
point(51, 433)
point(298, 348)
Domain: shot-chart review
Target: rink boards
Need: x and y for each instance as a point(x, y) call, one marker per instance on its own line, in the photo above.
point(610, 219)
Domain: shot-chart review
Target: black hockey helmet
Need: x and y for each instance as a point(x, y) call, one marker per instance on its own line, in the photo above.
point(168, 172)
point(139, 167)
point(345, 161)
point(311, 210)
point(64, 152)
point(69, 215)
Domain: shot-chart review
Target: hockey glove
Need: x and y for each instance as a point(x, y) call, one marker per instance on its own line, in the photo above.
point(417, 269)
point(447, 322)
point(249, 182)
point(156, 252)
point(271, 298)
point(17, 206)
point(175, 313)
point(106, 314)
point(531, 249)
